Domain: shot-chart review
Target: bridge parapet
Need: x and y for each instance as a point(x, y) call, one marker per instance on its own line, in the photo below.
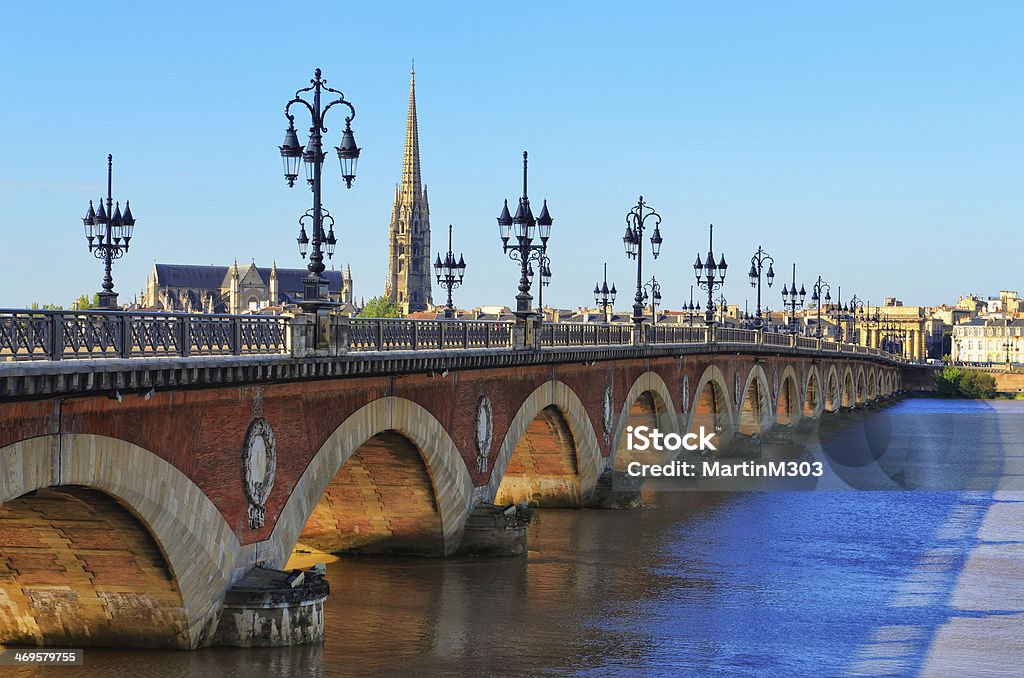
point(46, 335)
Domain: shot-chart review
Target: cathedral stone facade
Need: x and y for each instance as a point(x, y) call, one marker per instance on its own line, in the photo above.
point(409, 273)
point(235, 289)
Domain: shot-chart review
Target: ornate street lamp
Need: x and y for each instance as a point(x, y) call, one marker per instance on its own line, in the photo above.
point(844, 312)
point(714, 275)
point(603, 296)
point(109, 232)
point(691, 308)
point(655, 297)
point(544, 263)
point(292, 152)
point(524, 250)
point(449, 274)
point(819, 287)
point(722, 307)
point(790, 298)
point(633, 241)
point(757, 263)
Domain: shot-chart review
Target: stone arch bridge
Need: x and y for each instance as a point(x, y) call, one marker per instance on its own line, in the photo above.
point(139, 490)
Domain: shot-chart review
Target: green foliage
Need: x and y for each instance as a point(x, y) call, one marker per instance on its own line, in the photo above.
point(45, 307)
point(978, 385)
point(379, 307)
point(954, 382)
point(947, 381)
point(85, 302)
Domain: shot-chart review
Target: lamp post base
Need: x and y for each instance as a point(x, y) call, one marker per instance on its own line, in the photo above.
point(107, 300)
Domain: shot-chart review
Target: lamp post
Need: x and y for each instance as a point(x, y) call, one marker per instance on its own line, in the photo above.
point(714, 275)
point(655, 289)
point(851, 311)
point(722, 305)
point(603, 296)
point(449, 274)
point(757, 263)
point(544, 263)
point(314, 284)
point(636, 222)
point(524, 250)
point(109, 233)
point(691, 308)
point(819, 287)
point(789, 298)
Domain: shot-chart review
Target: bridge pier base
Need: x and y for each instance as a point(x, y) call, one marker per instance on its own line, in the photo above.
point(617, 490)
point(496, 531)
point(270, 608)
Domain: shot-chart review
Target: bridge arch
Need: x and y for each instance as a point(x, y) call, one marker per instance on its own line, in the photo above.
point(833, 391)
point(382, 438)
point(712, 406)
point(648, 403)
point(554, 406)
point(872, 377)
point(813, 400)
point(849, 398)
point(755, 410)
point(788, 406)
point(862, 386)
point(197, 546)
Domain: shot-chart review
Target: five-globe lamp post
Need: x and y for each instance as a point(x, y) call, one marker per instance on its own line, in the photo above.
point(714, 275)
point(604, 297)
point(757, 263)
point(817, 289)
point(524, 250)
point(449, 274)
point(292, 154)
point(108, 232)
point(790, 299)
point(633, 241)
point(655, 297)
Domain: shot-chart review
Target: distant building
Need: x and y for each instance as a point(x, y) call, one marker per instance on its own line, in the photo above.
point(234, 289)
point(989, 340)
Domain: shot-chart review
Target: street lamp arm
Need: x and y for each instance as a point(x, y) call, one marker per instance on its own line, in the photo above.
point(298, 100)
point(348, 118)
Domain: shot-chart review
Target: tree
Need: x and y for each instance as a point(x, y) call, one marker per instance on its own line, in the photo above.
point(953, 382)
point(379, 307)
point(947, 381)
point(45, 307)
point(978, 385)
point(84, 302)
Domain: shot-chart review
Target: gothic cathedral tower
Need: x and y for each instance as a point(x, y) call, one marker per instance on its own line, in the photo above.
point(409, 234)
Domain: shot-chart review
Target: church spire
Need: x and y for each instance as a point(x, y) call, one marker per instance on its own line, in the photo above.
point(411, 162)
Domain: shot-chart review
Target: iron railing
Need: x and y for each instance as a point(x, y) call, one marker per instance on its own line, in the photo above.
point(395, 334)
point(61, 335)
point(585, 334)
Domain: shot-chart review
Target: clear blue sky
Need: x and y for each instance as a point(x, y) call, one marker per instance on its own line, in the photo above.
point(878, 144)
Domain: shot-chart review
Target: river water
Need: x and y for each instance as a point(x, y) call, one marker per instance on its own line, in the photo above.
point(764, 583)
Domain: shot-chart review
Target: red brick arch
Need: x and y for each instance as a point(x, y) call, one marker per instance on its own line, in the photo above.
point(383, 438)
point(78, 568)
